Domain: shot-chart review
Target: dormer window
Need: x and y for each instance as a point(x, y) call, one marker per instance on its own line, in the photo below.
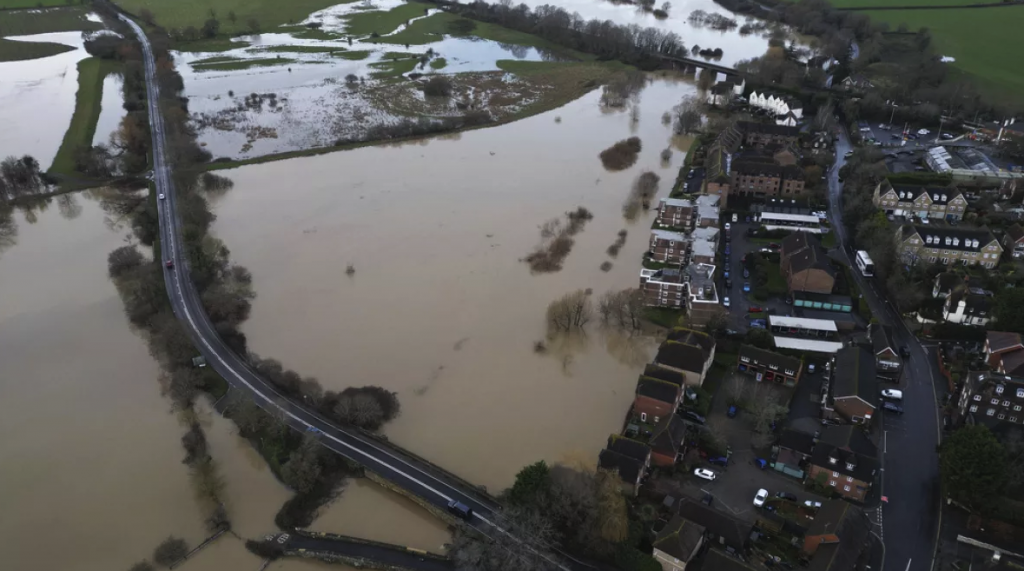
point(850, 466)
point(832, 460)
point(1020, 393)
point(999, 389)
point(977, 398)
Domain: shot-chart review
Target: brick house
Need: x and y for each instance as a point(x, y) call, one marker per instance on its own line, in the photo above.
point(702, 302)
point(947, 245)
point(853, 387)
point(629, 458)
point(1004, 352)
point(655, 399)
point(888, 363)
point(805, 264)
point(754, 134)
point(666, 441)
point(678, 543)
point(1013, 240)
point(767, 365)
point(675, 213)
point(941, 202)
point(663, 288)
point(689, 353)
point(703, 245)
point(994, 400)
point(836, 537)
point(708, 212)
point(846, 460)
point(764, 179)
point(716, 167)
point(668, 247)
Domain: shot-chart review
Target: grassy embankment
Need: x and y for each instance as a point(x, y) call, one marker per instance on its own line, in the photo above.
point(88, 100)
point(367, 23)
point(29, 22)
point(984, 42)
point(232, 64)
point(268, 13)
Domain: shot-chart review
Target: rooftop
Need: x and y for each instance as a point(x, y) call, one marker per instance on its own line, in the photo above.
point(676, 202)
point(691, 337)
point(656, 372)
point(679, 538)
point(797, 440)
point(882, 338)
point(657, 389)
point(629, 447)
point(682, 356)
point(949, 238)
point(629, 469)
point(1003, 340)
point(802, 323)
point(808, 344)
point(768, 129)
point(855, 375)
point(667, 235)
point(770, 359)
point(734, 531)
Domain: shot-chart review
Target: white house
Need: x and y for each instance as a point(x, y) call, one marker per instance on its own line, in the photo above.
point(777, 105)
point(968, 307)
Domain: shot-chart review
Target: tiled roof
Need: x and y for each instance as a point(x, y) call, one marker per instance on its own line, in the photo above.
point(1003, 340)
point(629, 447)
point(850, 438)
point(668, 435)
point(679, 538)
point(656, 372)
point(959, 239)
point(681, 356)
point(656, 389)
point(882, 338)
point(734, 531)
point(629, 469)
point(766, 358)
point(855, 375)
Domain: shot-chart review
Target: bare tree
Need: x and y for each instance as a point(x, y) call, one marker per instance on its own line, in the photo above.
point(571, 311)
point(521, 548)
point(688, 116)
point(622, 309)
point(738, 390)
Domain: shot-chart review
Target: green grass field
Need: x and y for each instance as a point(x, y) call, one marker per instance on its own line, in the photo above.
point(269, 13)
point(983, 41)
point(16, 4)
point(394, 68)
point(88, 103)
point(29, 22)
point(366, 23)
point(232, 64)
point(11, 50)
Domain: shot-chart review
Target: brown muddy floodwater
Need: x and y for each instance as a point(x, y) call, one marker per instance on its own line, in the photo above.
point(92, 477)
point(440, 308)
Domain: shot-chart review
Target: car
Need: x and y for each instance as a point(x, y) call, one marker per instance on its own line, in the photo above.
point(705, 474)
point(460, 509)
point(169, 264)
point(725, 273)
point(923, 132)
point(810, 368)
point(946, 136)
point(785, 496)
point(693, 417)
point(760, 463)
point(789, 299)
point(161, 196)
point(812, 504)
point(883, 126)
point(725, 301)
point(758, 324)
point(728, 283)
point(848, 154)
point(746, 273)
point(761, 496)
point(735, 217)
point(775, 246)
point(905, 352)
point(748, 218)
point(728, 226)
point(690, 174)
point(728, 249)
point(755, 309)
point(746, 287)
point(707, 499)
point(719, 461)
point(892, 407)
point(895, 136)
point(894, 394)
point(733, 411)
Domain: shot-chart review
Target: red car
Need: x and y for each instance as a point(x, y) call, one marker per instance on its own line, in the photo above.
point(775, 246)
point(169, 263)
point(755, 309)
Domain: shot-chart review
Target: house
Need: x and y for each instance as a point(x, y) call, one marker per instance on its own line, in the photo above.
point(888, 363)
point(1013, 240)
point(805, 264)
point(762, 177)
point(947, 245)
point(767, 365)
point(837, 537)
point(708, 212)
point(777, 104)
point(939, 202)
point(676, 213)
point(945, 282)
point(993, 399)
point(853, 388)
point(968, 306)
point(666, 440)
point(720, 94)
point(720, 528)
point(656, 399)
point(668, 247)
point(766, 134)
point(663, 288)
point(703, 245)
point(718, 560)
point(702, 302)
point(689, 353)
point(1004, 352)
point(678, 543)
point(846, 460)
point(716, 167)
point(790, 119)
point(629, 458)
point(795, 449)
point(856, 82)
point(655, 372)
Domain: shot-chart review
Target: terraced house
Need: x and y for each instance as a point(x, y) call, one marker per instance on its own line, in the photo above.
point(992, 399)
point(668, 247)
point(675, 213)
point(947, 245)
point(940, 202)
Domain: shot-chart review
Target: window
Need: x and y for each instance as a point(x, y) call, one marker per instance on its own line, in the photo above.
point(835, 474)
point(1016, 407)
point(643, 417)
point(977, 398)
point(974, 408)
point(849, 479)
point(1006, 403)
point(999, 389)
point(833, 461)
point(832, 483)
point(1013, 419)
point(1001, 416)
point(1020, 393)
point(847, 488)
point(994, 401)
point(990, 412)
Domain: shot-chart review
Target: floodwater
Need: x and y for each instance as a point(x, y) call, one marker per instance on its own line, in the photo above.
point(37, 98)
point(440, 308)
point(111, 108)
point(94, 478)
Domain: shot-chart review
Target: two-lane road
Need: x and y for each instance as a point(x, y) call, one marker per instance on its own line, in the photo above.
point(910, 512)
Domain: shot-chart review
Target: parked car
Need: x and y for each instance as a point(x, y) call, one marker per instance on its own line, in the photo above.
point(728, 226)
point(810, 368)
point(161, 197)
point(812, 504)
point(746, 273)
point(728, 283)
point(775, 246)
point(460, 509)
point(692, 416)
point(719, 461)
point(761, 496)
point(946, 136)
point(726, 273)
point(725, 301)
point(755, 309)
point(758, 324)
point(689, 174)
point(894, 394)
point(169, 263)
point(733, 411)
point(705, 474)
point(905, 352)
point(785, 496)
point(735, 217)
point(748, 218)
point(728, 249)
point(746, 287)
point(892, 407)
point(761, 463)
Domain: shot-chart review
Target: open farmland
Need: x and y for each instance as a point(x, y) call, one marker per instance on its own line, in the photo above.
point(984, 42)
point(268, 13)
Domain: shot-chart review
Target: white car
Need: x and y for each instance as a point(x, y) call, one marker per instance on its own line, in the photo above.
point(812, 504)
point(893, 394)
point(725, 301)
point(705, 474)
point(728, 226)
point(161, 197)
point(761, 496)
point(923, 131)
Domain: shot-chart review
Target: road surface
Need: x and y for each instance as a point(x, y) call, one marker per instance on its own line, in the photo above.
point(388, 461)
point(908, 521)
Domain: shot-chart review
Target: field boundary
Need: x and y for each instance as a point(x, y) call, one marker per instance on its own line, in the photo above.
point(92, 72)
point(933, 7)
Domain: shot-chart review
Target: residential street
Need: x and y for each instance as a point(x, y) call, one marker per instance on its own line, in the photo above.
point(908, 518)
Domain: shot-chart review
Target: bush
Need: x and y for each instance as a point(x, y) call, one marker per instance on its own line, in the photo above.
point(438, 86)
point(621, 155)
point(169, 551)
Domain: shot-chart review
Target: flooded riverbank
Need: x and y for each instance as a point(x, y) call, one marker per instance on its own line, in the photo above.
point(440, 307)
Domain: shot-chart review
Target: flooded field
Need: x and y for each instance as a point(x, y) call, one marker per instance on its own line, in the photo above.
point(111, 109)
point(99, 479)
point(440, 307)
point(37, 98)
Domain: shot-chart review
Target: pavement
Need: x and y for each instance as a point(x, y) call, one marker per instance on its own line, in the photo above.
point(909, 516)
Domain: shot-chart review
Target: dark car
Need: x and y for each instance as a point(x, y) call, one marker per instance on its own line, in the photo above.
point(785, 496)
point(169, 263)
point(895, 136)
point(728, 283)
point(732, 412)
point(719, 461)
point(692, 416)
point(746, 273)
point(460, 509)
point(905, 352)
point(892, 407)
point(690, 174)
point(728, 249)
point(707, 499)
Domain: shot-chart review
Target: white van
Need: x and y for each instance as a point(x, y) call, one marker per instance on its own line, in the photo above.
point(892, 394)
point(735, 218)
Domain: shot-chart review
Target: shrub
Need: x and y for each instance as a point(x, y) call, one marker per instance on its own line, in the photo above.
point(438, 86)
point(169, 551)
point(621, 155)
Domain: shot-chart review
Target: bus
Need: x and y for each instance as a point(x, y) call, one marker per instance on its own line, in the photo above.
point(864, 264)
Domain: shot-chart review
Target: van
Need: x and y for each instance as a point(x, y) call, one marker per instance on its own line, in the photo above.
point(735, 218)
point(460, 509)
point(893, 394)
